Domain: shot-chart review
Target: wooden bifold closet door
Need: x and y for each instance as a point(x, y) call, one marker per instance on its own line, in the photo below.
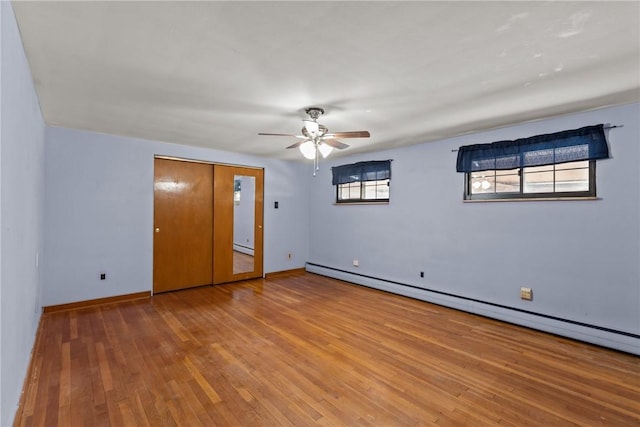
point(207, 224)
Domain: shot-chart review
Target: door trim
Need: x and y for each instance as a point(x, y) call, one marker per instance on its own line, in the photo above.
point(206, 162)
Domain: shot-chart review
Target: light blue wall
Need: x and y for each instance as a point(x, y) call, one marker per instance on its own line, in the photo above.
point(21, 201)
point(1, 102)
point(99, 212)
point(580, 257)
point(1, 316)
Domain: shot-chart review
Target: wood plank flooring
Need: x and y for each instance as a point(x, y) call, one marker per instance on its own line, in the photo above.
point(307, 350)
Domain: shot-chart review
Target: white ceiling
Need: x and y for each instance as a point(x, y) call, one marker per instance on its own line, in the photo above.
point(214, 74)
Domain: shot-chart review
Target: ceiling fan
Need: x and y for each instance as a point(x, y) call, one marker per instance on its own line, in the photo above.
point(316, 137)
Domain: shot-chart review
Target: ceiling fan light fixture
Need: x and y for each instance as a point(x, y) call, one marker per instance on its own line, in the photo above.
point(308, 149)
point(325, 149)
point(312, 127)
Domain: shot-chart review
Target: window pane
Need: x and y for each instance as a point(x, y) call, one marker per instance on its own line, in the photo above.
point(374, 190)
point(538, 181)
point(572, 180)
point(355, 190)
point(483, 182)
point(508, 181)
point(367, 190)
point(349, 191)
point(382, 189)
point(370, 190)
point(343, 193)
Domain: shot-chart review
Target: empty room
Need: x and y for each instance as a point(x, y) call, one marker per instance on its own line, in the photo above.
point(336, 213)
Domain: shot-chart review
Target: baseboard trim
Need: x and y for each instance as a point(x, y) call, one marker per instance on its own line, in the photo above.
point(594, 334)
point(243, 249)
point(17, 419)
point(97, 301)
point(285, 273)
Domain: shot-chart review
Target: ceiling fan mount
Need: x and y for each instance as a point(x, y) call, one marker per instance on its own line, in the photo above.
point(314, 112)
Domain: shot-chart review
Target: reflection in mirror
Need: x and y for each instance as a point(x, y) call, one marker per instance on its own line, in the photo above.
point(244, 195)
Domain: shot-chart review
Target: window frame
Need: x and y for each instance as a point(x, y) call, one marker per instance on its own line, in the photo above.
point(521, 195)
point(361, 200)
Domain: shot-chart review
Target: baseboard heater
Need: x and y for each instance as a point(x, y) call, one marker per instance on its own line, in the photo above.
point(606, 337)
point(243, 249)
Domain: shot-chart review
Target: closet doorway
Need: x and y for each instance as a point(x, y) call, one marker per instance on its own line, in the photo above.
point(207, 224)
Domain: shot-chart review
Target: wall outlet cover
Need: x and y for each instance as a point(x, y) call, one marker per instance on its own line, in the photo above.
point(526, 294)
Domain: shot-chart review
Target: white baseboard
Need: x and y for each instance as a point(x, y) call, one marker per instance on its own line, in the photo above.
point(243, 249)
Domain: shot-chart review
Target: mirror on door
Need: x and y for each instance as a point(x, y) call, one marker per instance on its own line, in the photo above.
point(244, 195)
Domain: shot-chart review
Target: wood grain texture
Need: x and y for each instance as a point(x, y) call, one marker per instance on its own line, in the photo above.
point(285, 273)
point(183, 221)
point(303, 349)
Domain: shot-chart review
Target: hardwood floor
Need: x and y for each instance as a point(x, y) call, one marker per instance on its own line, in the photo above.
point(307, 350)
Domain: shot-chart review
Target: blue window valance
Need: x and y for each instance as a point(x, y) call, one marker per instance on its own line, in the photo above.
point(587, 143)
point(375, 170)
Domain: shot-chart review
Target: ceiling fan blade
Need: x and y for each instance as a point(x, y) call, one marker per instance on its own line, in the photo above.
point(276, 134)
point(353, 134)
point(282, 134)
point(335, 143)
point(297, 144)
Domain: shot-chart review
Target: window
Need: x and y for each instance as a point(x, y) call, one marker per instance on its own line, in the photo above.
point(559, 165)
point(574, 179)
point(362, 182)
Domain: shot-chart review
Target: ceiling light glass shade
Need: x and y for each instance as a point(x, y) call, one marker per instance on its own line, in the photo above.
point(325, 149)
point(308, 149)
point(311, 127)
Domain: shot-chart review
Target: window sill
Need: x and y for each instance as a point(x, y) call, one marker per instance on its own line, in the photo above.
point(531, 199)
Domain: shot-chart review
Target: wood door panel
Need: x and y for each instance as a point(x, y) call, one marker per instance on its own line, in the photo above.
point(182, 244)
point(223, 226)
point(223, 206)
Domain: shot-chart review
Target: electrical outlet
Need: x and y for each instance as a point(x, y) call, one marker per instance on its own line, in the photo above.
point(289, 255)
point(422, 274)
point(356, 263)
point(103, 276)
point(526, 294)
